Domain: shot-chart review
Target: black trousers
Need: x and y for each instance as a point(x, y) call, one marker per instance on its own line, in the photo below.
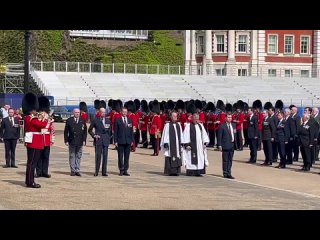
point(227, 156)
point(101, 152)
point(217, 134)
point(253, 149)
point(313, 152)
point(259, 140)
point(123, 157)
point(246, 140)
point(239, 140)
point(137, 137)
point(317, 152)
point(42, 167)
point(33, 158)
point(10, 148)
point(144, 136)
point(295, 148)
point(267, 149)
point(274, 150)
point(289, 148)
point(282, 153)
point(155, 144)
point(212, 137)
point(306, 156)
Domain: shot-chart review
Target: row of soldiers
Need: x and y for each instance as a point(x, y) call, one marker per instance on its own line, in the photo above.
point(149, 119)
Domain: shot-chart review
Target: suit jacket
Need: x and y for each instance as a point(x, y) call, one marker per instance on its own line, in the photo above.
point(103, 129)
point(225, 138)
point(123, 134)
point(283, 131)
point(268, 129)
point(306, 134)
point(295, 123)
point(75, 133)
point(8, 131)
point(253, 127)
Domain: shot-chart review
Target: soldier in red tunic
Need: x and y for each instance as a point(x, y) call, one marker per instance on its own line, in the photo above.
point(144, 122)
point(209, 123)
point(34, 137)
point(42, 169)
point(239, 118)
point(257, 105)
point(164, 114)
point(182, 116)
point(116, 106)
point(83, 111)
point(199, 107)
point(156, 128)
point(221, 116)
point(138, 115)
point(131, 115)
point(97, 107)
point(245, 123)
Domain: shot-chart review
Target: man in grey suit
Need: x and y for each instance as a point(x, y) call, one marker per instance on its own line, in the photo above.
point(226, 138)
point(75, 135)
point(101, 136)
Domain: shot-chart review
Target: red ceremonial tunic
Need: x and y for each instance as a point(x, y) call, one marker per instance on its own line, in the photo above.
point(34, 125)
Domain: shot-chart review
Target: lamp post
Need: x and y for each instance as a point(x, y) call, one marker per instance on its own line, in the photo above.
point(27, 34)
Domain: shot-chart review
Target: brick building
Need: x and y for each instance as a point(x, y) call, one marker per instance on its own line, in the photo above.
point(273, 53)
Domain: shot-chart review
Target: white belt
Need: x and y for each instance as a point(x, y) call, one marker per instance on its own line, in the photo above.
point(39, 133)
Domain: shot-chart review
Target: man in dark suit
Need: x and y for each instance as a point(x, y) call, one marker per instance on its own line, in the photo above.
point(288, 119)
point(75, 135)
point(226, 138)
point(123, 140)
point(101, 136)
point(306, 133)
point(268, 136)
point(275, 150)
point(10, 131)
point(253, 134)
point(282, 138)
point(294, 126)
point(316, 116)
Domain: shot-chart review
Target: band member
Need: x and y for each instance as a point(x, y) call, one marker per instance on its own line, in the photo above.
point(117, 105)
point(42, 169)
point(245, 124)
point(97, 107)
point(171, 145)
point(199, 107)
point(182, 116)
point(257, 111)
point(156, 128)
point(164, 113)
point(210, 119)
point(144, 122)
point(83, 111)
point(33, 135)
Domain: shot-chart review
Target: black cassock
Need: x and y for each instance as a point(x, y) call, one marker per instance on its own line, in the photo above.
point(171, 146)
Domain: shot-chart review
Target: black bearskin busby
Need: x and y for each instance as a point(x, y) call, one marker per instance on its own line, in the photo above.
point(44, 104)
point(156, 107)
point(29, 103)
point(97, 104)
point(83, 107)
point(191, 108)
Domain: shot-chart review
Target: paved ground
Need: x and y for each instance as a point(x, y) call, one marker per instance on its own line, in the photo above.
point(255, 187)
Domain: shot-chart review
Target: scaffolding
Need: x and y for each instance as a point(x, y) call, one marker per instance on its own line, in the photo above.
point(14, 78)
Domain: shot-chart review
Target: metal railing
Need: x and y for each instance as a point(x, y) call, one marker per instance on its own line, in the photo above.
point(107, 68)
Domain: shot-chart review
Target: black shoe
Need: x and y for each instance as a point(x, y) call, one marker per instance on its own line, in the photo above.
point(78, 174)
point(14, 166)
point(105, 175)
point(34, 185)
point(121, 174)
point(279, 166)
point(96, 174)
point(265, 164)
point(46, 175)
point(72, 174)
point(230, 177)
point(275, 160)
point(5, 166)
point(126, 174)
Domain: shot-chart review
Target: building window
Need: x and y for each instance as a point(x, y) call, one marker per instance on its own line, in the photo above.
point(304, 46)
point(220, 43)
point(221, 72)
point(272, 72)
point(288, 44)
point(273, 44)
point(288, 73)
point(304, 73)
point(200, 45)
point(242, 72)
point(242, 44)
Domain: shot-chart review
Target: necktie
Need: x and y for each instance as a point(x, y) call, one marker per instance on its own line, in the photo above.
point(12, 122)
point(229, 128)
point(125, 122)
point(76, 120)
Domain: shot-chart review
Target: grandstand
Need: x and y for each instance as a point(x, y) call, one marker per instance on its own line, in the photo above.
point(69, 88)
